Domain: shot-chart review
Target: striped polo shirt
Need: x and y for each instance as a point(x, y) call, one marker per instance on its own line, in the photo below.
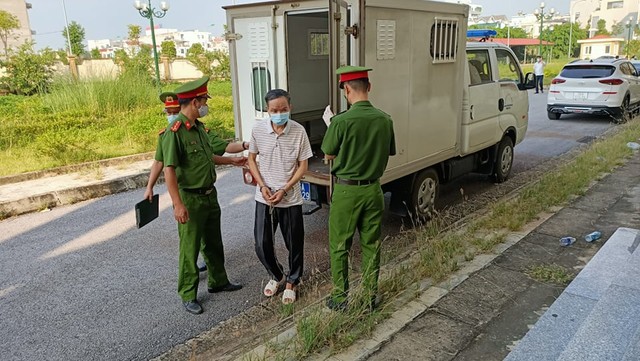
point(278, 157)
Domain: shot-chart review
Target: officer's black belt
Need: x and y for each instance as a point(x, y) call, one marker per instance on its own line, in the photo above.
point(355, 182)
point(201, 191)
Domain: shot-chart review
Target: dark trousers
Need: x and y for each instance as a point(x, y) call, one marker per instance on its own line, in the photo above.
point(539, 79)
point(292, 229)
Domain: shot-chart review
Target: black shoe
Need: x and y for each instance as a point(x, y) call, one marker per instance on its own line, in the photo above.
point(536, 92)
point(229, 287)
point(202, 267)
point(336, 306)
point(193, 307)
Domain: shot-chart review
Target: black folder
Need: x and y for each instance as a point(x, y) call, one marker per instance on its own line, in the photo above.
point(146, 211)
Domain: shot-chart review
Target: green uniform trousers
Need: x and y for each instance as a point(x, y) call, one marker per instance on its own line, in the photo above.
point(361, 208)
point(202, 230)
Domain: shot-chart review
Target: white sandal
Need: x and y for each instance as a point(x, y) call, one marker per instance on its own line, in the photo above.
point(271, 288)
point(289, 296)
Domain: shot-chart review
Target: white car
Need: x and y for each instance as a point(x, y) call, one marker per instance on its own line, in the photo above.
point(609, 87)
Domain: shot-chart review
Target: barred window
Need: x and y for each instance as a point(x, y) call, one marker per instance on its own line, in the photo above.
point(444, 40)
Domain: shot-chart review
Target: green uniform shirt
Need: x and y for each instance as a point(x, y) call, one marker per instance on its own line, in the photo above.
point(191, 153)
point(218, 145)
point(362, 140)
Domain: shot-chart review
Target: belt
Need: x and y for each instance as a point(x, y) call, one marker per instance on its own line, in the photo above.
point(355, 182)
point(201, 191)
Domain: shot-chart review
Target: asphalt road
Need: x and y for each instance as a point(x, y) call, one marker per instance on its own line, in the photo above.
point(80, 282)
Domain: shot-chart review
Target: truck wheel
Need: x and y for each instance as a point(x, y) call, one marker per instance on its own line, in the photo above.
point(424, 195)
point(504, 160)
point(553, 116)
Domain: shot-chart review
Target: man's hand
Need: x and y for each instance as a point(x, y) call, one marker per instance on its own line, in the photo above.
point(180, 213)
point(276, 197)
point(266, 193)
point(239, 161)
point(148, 194)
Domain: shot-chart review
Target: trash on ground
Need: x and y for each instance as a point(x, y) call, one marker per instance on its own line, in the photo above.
point(567, 241)
point(593, 236)
point(633, 145)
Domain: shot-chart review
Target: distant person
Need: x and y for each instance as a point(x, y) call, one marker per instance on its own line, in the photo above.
point(538, 71)
point(284, 149)
point(359, 141)
point(187, 152)
point(172, 110)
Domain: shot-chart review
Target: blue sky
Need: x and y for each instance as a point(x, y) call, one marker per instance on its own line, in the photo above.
point(109, 19)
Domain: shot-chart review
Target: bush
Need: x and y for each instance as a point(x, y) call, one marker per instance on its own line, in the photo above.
point(27, 71)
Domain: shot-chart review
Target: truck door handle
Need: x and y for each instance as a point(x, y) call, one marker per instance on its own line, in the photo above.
point(500, 104)
point(471, 112)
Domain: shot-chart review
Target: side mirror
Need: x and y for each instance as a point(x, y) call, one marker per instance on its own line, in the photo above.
point(529, 82)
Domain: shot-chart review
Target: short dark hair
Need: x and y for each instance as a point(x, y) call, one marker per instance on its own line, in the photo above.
point(186, 101)
point(275, 94)
point(360, 85)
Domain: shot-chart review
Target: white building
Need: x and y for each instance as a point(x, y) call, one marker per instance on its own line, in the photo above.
point(17, 8)
point(589, 12)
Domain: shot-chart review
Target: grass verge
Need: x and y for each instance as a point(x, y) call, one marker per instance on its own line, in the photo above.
point(436, 253)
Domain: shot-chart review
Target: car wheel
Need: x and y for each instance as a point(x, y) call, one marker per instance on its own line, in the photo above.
point(625, 114)
point(423, 196)
point(553, 116)
point(504, 160)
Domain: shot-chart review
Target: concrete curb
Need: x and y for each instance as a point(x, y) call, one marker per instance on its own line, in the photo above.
point(72, 195)
point(74, 168)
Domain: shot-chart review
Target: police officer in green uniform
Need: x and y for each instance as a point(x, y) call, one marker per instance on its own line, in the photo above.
point(359, 141)
point(188, 156)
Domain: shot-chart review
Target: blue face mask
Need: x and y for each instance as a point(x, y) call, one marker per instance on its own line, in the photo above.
point(172, 117)
point(279, 118)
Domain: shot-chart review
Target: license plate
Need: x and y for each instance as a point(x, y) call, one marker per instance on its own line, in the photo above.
point(580, 96)
point(305, 189)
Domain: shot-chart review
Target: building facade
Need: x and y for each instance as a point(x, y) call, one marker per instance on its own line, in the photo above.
point(20, 9)
point(589, 12)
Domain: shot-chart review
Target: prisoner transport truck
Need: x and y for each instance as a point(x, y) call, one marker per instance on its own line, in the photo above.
point(457, 107)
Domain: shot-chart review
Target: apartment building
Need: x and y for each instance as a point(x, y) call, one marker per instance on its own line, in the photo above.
point(589, 12)
point(19, 8)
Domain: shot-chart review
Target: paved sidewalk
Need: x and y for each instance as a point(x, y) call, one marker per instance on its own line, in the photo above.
point(36, 191)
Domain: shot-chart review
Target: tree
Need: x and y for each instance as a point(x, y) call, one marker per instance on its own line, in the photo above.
point(223, 65)
point(195, 50)
point(134, 34)
point(168, 49)
point(27, 71)
point(76, 37)
point(618, 28)
point(559, 36)
point(138, 65)
point(602, 27)
point(95, 53)
point(632, 48)
point(8, 23)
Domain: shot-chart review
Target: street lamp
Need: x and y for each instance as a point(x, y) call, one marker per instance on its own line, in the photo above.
point(571, 25)
point(629, 27)
point(148, 12)
point(540, 15)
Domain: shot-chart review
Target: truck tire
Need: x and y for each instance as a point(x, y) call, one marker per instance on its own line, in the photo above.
point(504, 160)
point(423, 195)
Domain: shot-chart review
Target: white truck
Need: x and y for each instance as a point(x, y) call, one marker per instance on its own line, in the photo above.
point(455, 110)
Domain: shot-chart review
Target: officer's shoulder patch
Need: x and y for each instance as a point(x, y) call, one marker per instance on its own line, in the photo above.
point(176, 126)
point(162, 131)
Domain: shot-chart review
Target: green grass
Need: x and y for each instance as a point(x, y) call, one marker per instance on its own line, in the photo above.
point(554, 274)
point(91, 120)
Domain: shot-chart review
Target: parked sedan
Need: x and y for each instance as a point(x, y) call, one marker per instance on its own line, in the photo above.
point(602, 86)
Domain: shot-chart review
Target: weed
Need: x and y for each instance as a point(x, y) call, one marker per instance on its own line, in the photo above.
point(550, 274)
